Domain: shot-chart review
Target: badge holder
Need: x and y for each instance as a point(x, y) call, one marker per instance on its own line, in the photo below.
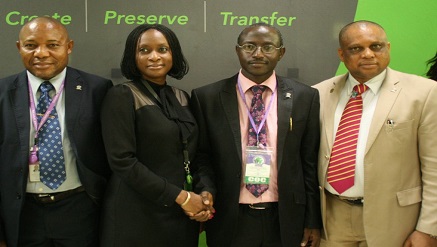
point(258, 165)
point(34, 175)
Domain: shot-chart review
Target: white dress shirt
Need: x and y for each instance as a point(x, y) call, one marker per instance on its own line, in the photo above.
point(370, 98)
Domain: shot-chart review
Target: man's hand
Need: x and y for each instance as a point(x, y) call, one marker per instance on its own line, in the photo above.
point(311, 237)
point(420, 239)
point(208, 212)
point(208, 201)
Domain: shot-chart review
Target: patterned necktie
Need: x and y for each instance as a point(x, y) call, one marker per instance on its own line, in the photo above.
point(51, 153)
point(341, 169)
point(257, 111)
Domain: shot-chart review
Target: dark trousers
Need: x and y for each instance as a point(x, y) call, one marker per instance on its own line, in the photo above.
point(71, 222)
point(257, 228)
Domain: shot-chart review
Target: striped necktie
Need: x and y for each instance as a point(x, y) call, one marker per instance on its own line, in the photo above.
point(341, 169)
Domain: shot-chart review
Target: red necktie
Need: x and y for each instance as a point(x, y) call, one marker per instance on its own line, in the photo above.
point(341, 169)
point(257, 111)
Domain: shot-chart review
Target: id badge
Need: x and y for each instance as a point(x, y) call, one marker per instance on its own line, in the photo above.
point(34, 175)
point(257, 165)
point(34, 172)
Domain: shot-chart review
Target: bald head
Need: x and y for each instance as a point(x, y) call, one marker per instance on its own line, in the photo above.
point(364, 50)
point(44, 22)
point(344, 34)
point(44, 47)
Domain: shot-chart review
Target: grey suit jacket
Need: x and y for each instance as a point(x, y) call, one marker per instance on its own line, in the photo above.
point(400, 163)
point(82, 116)
point(215, 107)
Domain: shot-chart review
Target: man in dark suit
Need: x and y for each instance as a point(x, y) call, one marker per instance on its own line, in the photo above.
point(62, 211)
point(273, 203)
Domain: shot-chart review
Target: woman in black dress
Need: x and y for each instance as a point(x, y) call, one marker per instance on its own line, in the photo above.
point(150, 137)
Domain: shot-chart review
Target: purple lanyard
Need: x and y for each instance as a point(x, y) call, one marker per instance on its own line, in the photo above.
point(33, 157)
point(252, 122)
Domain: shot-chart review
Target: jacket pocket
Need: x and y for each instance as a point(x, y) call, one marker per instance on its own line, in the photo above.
point(410, 196)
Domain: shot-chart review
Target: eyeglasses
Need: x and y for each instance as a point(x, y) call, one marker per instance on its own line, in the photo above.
point(266, 49)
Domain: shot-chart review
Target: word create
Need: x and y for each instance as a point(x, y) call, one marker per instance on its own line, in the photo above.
point(15, 18)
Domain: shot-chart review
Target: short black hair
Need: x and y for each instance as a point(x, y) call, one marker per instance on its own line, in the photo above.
point(128, 62)
point(261, 24)
point(432, 72)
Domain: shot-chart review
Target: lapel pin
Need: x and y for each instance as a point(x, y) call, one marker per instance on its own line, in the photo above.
point(78, 87)
point(288, 95)
point(332, 89)
point(354, 94)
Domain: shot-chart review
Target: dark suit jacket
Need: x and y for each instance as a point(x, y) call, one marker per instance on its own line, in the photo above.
point(83, 127)
point(216, 110)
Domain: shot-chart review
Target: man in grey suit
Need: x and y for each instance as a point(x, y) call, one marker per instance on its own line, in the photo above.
point(53, 166)
point(263, 154)
point(392, 198)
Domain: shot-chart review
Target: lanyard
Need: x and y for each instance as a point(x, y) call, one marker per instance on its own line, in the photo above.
point(252, 122)
point(33, 157)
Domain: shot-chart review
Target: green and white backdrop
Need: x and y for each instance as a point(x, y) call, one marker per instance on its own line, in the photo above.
point(208, 30)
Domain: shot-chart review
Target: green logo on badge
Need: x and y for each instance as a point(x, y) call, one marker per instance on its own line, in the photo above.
point(258, 160)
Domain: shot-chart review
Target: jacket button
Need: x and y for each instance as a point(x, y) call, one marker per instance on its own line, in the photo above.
point(327, 157)
point(18, 196)
point(238, 175)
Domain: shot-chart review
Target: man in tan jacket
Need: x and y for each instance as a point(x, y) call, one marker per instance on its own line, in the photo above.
point(390, 196)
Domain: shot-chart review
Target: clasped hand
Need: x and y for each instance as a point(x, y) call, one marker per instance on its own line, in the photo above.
point(200, 207)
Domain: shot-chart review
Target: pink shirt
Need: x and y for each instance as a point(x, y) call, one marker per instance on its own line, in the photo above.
point(271, 195)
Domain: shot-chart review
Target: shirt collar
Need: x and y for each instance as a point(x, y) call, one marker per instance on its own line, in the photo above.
point(374, 84)
point(56, 81)
point(246, 83)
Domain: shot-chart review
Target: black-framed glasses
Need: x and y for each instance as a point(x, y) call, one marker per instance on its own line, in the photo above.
point(266, 49)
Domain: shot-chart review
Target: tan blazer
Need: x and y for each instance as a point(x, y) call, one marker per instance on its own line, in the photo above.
point(400, 163)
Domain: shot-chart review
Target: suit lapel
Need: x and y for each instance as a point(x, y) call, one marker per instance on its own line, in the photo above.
point(329, 106)
point(228, 98)
point(75, 87)
point(285, 97)
point(19, 97)
point(389, 92)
